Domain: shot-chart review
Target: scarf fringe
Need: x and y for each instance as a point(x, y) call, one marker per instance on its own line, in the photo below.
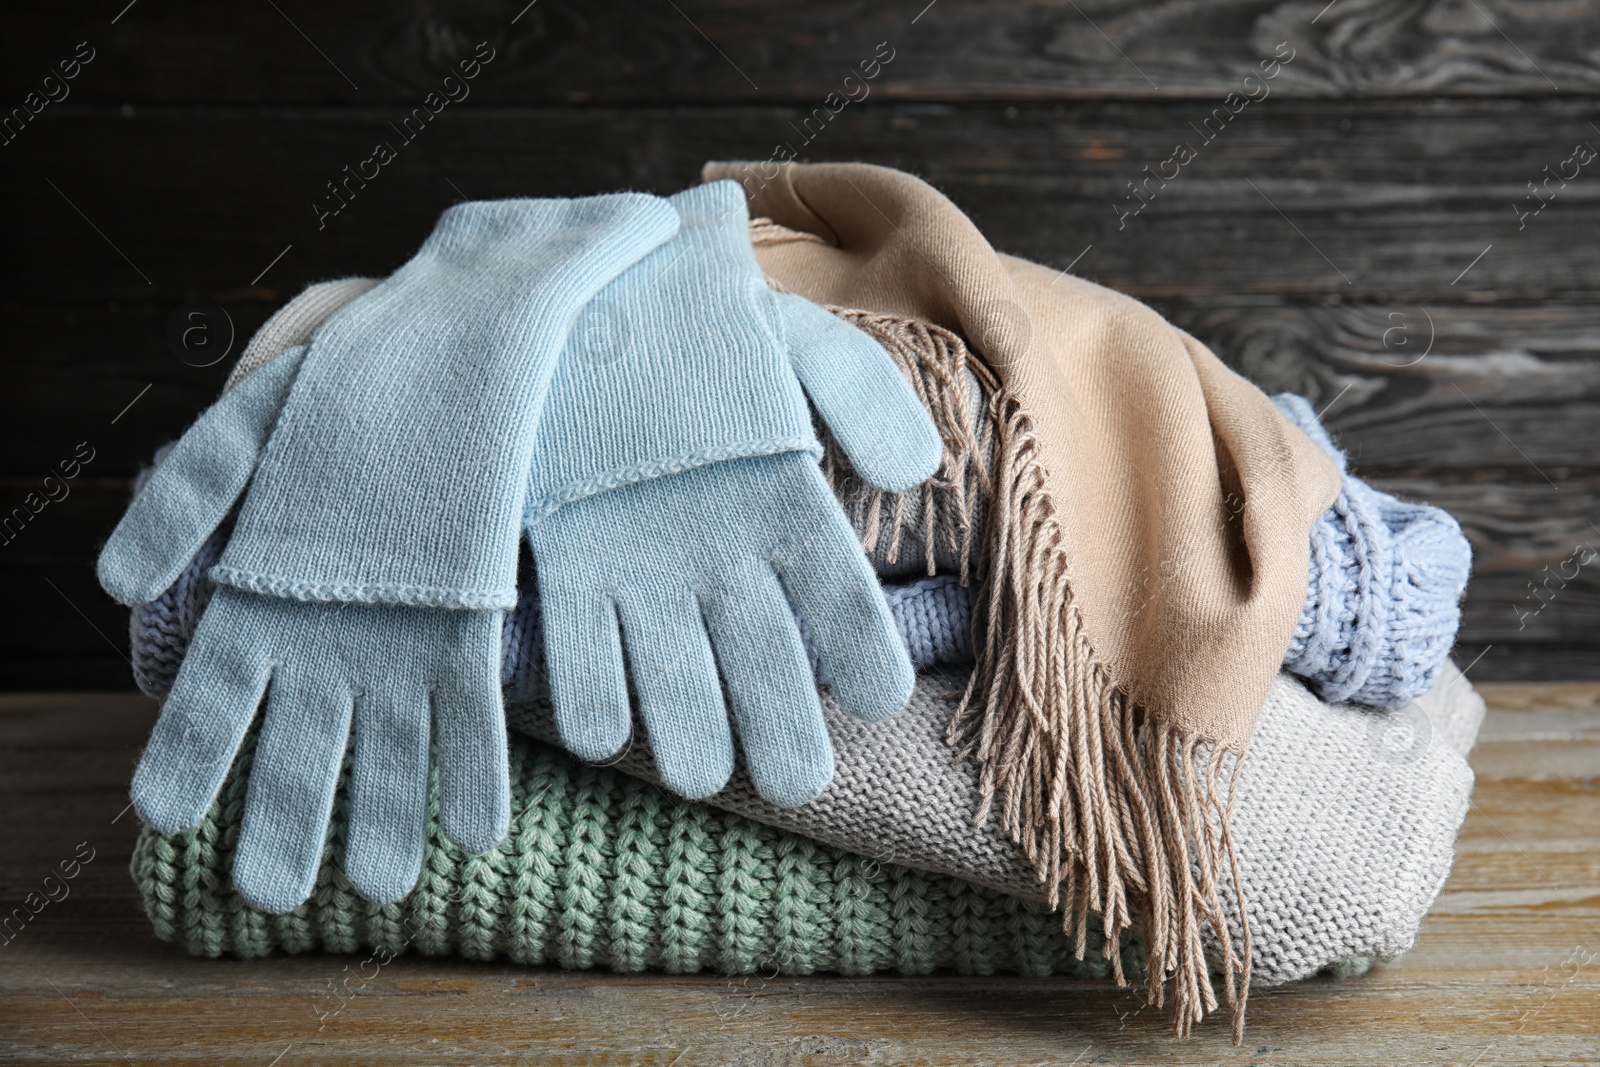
point(1119, 816)
point(935, 361)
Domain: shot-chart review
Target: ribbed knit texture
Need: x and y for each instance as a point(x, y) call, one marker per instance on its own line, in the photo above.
point(1352, 841)
point(295, 322)
point(1345, 821)
point(1356, 839)
point(933, 617)
point(398, 469)
point(602, 870)
point(393, 482)
point(687, 358)
point(1383, 601)
point(1387, 638)
point(678, 519)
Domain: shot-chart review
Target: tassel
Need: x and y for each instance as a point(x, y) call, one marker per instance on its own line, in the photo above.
point(1112, 809)
point(935, 362)
point(1119, 816)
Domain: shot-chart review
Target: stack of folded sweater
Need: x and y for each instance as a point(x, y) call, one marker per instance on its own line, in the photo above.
point(619, 380)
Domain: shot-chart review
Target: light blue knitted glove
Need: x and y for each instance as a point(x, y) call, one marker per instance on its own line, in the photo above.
point(362, 588)
point(677, 508)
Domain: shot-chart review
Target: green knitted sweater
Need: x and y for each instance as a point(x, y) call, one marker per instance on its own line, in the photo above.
point(600, 869)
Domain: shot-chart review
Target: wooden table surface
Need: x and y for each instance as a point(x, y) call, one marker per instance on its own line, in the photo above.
point(1506, 969)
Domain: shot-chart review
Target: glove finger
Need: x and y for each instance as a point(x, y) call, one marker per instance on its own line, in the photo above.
point(773, 691)
point(292, 782)
point(861, 395)
point(836, 592)
point(388, 792)
point(588, 683)
point(192, 491)
point(470, 738)
point(680, 695)
point(203, 722)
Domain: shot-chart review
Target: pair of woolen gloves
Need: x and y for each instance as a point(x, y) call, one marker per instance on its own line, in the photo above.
point(611, 378)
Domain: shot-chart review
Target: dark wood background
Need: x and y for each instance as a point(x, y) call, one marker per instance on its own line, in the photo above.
point(1354, 236)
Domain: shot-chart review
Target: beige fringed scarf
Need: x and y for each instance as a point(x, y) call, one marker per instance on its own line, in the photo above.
point(1145, 562)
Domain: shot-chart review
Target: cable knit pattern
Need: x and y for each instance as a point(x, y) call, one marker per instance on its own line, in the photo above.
point(1347, 837)
point(1383, 598)
point(1349, 841)
point(384, 467)
point(602, 870)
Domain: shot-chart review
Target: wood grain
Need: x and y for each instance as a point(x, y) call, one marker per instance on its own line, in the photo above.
point(1316, 200)
point(1506, 969)
point(1504, 397)
point(638, 51)
point(1502, 392)
point(1409, 386)
point(1370, 200)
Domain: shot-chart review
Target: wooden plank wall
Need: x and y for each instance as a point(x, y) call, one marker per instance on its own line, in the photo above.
point(1363, 231)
